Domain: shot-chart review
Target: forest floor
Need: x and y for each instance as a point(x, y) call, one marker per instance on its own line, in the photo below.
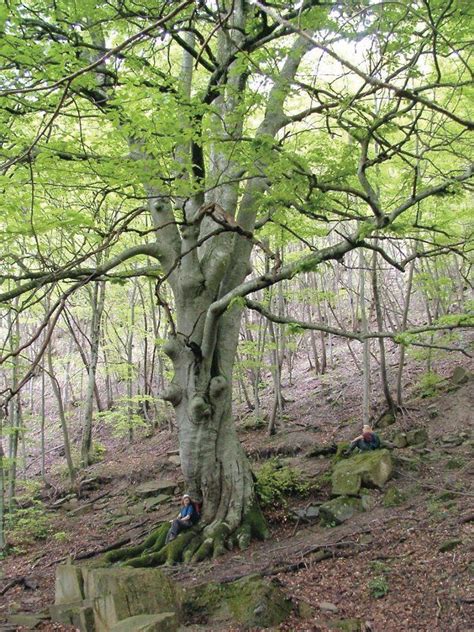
point(399, 551)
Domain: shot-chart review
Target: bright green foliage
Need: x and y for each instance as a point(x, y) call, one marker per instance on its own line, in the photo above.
point(275, 482)
point(378, 587)
point(125, 415)
point(24, 526)
point(429, 383)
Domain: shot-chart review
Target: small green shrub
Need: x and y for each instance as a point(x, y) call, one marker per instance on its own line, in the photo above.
point(61, 536)
point(98, 452)
point(276, 481)
point(428, 384)
point(378, 566)
point(24, 526)
point(455, 463)
point(378, 587)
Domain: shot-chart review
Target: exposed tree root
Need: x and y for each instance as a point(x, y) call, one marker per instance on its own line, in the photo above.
point(194, 545)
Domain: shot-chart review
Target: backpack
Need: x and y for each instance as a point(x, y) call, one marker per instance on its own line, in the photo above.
point(197, 512)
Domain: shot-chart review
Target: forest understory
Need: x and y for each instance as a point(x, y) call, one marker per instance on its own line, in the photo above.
point(391, 568)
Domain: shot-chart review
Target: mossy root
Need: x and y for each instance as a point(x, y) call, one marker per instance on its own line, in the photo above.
point(191, 546)
point(154, 542)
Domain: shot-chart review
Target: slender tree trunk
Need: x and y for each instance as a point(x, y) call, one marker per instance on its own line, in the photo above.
point(98, 298)
point(61, 413)
point(42, 422)
point(406, 309)
point(321, 333)
point(365, 344)
point(378, 311)
point(2, 489)
point(82, 353)
point(241, 380)
point(14, 411)
point(129, 352)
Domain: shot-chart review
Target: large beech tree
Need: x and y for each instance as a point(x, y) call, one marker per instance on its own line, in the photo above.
point(170, 139)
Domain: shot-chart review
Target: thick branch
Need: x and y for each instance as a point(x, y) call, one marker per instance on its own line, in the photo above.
point(80, 273)
point(361, 336)
point(401, 92)
point(98, 62)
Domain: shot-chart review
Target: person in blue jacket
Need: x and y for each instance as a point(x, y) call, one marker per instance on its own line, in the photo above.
point(186, 518)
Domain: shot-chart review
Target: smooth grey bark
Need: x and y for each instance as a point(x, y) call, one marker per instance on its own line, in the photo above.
point(365, 344)
point(278, 353)
point(72, 325)
point(379, 316)
point(214, 465)
point(97, 307)
point(61, 414)
point(129, 357)
point(14, 409)
point(406, 309)
point(42, 422)
point(2, 488)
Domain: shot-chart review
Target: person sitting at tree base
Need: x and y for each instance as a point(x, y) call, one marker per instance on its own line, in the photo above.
point(368, 440)
point(186, 518)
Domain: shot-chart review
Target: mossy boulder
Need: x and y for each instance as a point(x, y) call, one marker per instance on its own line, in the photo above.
point(251, 602)
point(79, 614)
point(69, 586)
point(417, 436)
point(164, 622)
point(371, 469)
point(386, 420)
point(460, 376)
point(338, 510)
point(400, 440)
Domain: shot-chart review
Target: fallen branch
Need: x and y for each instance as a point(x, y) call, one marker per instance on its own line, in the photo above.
point(29, 584)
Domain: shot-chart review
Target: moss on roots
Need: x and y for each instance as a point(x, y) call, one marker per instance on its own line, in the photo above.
point(154, 542)
point(193, 545)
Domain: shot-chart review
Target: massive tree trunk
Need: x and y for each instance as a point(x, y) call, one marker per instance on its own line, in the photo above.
point(205, 262)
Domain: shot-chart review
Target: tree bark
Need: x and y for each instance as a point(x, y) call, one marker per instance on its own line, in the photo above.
point(98, 299)
point(378, 311)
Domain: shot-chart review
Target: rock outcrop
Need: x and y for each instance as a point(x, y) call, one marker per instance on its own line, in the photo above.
point(338, 510)
point(369, 469)
point(96, 599)
point(146, 600)
point(250, 602)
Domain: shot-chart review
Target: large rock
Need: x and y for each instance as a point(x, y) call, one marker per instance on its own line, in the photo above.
point(460, 376)
point(99, 598)
point(79, 614)
point(308, 514)
point(371, 469)
point(338, 510)
point(251, 602)
point(417, 436)
point(386, 420)
point(69, 586)
point(154, 488)
point(400, 440)
point(165, 622)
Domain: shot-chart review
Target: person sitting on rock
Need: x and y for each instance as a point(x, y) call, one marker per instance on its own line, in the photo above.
point(368, 440)
point(186, 518)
